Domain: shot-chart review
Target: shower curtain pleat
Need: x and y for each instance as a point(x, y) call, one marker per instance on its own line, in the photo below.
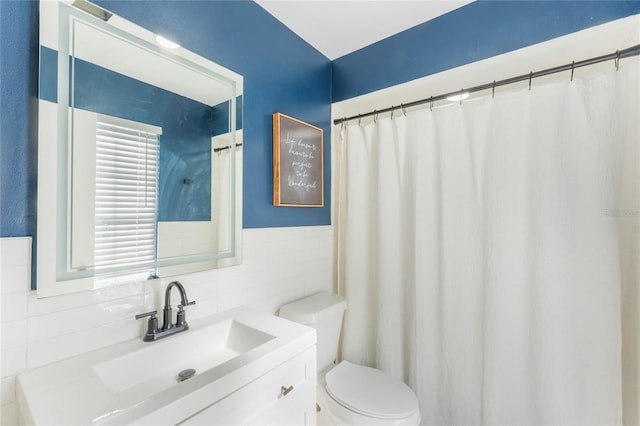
point(480, 264)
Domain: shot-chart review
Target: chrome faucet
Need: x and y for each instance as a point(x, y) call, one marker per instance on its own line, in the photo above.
point(166, 311)
point(168, 328)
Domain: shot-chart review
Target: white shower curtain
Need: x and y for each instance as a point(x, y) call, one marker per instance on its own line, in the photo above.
point(478, 251)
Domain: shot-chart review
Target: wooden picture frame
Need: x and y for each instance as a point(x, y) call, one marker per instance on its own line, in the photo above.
point(298, 164)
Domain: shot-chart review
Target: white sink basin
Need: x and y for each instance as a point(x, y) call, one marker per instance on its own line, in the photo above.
point(138, 375)
point(135, 382)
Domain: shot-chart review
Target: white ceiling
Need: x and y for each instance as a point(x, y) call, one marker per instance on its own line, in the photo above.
point(338, 27)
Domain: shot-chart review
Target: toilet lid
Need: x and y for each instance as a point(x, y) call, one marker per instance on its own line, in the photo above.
point(370, 392)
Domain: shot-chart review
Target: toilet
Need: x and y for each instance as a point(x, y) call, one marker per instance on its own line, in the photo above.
point(348, 393)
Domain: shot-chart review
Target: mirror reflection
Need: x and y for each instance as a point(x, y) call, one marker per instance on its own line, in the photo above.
point(148, 146)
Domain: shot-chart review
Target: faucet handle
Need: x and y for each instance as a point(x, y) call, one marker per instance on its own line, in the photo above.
point(180, 317)
point(151, 314)
point(152, 325)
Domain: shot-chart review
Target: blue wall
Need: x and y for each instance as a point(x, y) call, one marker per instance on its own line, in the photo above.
point(18, 117)
point(282, 74)
point(474, 32)
point(187, 127)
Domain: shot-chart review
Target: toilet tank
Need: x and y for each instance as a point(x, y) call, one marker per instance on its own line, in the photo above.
point(324, 312)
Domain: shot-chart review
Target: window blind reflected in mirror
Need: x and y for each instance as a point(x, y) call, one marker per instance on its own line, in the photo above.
point(126, 198)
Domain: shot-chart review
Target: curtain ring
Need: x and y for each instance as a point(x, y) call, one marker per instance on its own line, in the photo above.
point(573, 63)
point(461, 92)
point(617, 60)
point(431, 104)
point(530, 77)
point(404, 111)
point(375, 116)
point(493, 89)
point(392, 110)
point(359, 120)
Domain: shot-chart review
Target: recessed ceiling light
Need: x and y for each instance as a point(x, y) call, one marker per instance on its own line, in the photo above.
point(166, 43)
point(459, 97)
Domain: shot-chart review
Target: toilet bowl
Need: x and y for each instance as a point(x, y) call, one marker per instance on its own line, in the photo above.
point(348, 393)
point(353, 394)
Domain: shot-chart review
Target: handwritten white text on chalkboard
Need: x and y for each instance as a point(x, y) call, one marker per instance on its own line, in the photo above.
point(301, 154)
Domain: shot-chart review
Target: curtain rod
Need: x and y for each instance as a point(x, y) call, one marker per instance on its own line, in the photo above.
point(616, 56)
point(222, 148)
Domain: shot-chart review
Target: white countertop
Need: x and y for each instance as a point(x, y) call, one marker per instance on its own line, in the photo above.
point(72, 392)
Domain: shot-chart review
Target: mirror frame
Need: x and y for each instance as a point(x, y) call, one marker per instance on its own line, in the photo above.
point(53, 224)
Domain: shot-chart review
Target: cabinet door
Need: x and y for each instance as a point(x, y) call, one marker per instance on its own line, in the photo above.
point(296, 408)
point(294, 416)
point(263, 401)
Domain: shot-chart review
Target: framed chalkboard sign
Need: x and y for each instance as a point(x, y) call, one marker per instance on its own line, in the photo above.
point(298, 179)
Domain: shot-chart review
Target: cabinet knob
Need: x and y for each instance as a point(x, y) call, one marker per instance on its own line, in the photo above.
point(285, 390)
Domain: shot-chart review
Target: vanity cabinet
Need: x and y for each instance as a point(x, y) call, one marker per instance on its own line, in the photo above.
point(252, 368)
point(285, 395)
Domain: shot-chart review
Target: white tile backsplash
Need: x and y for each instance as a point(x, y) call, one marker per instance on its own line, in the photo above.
point(50, 305)
point(279, 266)
point(14, 333)
point(14, 306)
point(14, 279)
point(69, 321)
point(13, 360)
point(15, 252)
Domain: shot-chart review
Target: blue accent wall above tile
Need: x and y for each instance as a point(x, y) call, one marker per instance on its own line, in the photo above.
point(282, 73)
point(187, 127)
point(18, 117)
point(474, 32)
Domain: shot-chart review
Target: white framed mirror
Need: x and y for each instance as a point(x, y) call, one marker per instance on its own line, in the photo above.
point(140, 158)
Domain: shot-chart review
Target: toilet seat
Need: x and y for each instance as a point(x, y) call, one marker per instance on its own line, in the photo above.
point(370, 392)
